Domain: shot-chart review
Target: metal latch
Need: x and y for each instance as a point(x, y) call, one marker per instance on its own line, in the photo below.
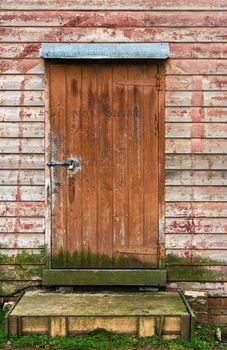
point(70, 164)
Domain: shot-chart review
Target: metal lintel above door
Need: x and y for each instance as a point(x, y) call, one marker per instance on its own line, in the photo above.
point(105, 51)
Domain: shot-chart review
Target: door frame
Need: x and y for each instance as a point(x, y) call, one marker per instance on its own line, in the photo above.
point(161, 169)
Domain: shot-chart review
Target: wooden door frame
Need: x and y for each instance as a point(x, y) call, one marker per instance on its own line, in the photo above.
point(161, 168)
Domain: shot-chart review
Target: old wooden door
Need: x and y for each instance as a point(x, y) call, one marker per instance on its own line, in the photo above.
point(105, 212)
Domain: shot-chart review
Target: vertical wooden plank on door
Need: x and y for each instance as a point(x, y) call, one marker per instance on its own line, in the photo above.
point(150, 164)
point(135, 158)
point(89, 139)
point(73, 189)
point(58, 151)
point(105, 166)
point(120, 161)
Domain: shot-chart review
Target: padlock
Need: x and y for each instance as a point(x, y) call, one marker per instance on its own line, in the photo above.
point(70, 167)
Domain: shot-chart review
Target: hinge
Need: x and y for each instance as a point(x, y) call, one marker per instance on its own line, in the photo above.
point(158, 85)
point(161, 254)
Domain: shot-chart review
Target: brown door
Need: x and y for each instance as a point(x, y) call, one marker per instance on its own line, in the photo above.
point(104, 212)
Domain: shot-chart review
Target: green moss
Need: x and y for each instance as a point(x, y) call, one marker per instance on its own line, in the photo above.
point(195, 273)
point(87, 259)
point(172, 259)
point(23, 258)
point(204, 339)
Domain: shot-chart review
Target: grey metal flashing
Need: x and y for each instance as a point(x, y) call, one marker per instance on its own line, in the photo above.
point(105, 51)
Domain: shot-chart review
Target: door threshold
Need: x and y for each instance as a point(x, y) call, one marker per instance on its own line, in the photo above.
point(104, 277)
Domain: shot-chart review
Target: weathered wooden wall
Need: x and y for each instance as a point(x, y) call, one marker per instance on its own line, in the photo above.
point(196, 132)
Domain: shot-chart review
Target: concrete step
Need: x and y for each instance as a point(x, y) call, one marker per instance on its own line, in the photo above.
point(163, 314)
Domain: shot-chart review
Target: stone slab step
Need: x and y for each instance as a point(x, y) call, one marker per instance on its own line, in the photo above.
point(166, 315)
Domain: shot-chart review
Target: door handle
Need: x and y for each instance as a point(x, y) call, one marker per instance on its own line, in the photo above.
point(70, 164)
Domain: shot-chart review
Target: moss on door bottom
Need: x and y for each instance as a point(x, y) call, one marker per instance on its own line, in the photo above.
point(87, 259)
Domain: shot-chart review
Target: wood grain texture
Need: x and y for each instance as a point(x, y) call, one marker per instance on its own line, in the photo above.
point(21, 145)
point(198, 50)
point(196, 209)
point(196, 161)
point(21, 82)
point(198, 82)
point(107, 195)
point(196, 225)
point(112, 19)
point(26, 177)
point(21, 161)
point(22, 240)
point(25, 193)
point(15, 114)
point(196, 130)
point(196, 193)
point(22, 129)
point(23, 225)
point(195, 145)
point(196, 178)
point(177, 50)
point(115, 5)
point(22, 209)
point(196, 66)
point(157, 34)
point(196, 98)
point(22, 98)
point(196, 114)
point(195, 137)
point(198, 241)
point(22, 66)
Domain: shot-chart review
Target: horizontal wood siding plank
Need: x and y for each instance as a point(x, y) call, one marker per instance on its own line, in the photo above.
point(196, 66)
point(22, 225)
point(177, 50)
point(213, 288)
point(21, 82)
point(22, 98)
point(198, 50)
point(22, 129)
point(195, 178)
point(22, 240)
point(196, 114)
point(8, 288)
point(26, 114)
point(198, 82)
point(24, 177)
point(114, 5)
point(21, 145)
point(196, 130)
point(196, 161)
point(196, 209)
point(20, 51)
point(196, 146)
point(196, 193)
point(146, 34)
point(196, 98)
point(20, 273)
point(22, 209)
point(22, 66)
point(207, 257)
point(22, 193)
point(21, 256)
point(196, 225)
point(113, 19)
point(198, 241)
point(21, 161)
point(195, 273)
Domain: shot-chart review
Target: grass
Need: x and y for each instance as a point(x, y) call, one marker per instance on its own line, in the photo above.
point(203, 339)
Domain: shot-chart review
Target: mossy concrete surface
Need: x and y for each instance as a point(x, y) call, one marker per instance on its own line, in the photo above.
point(38, 303)
point(141, 314)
